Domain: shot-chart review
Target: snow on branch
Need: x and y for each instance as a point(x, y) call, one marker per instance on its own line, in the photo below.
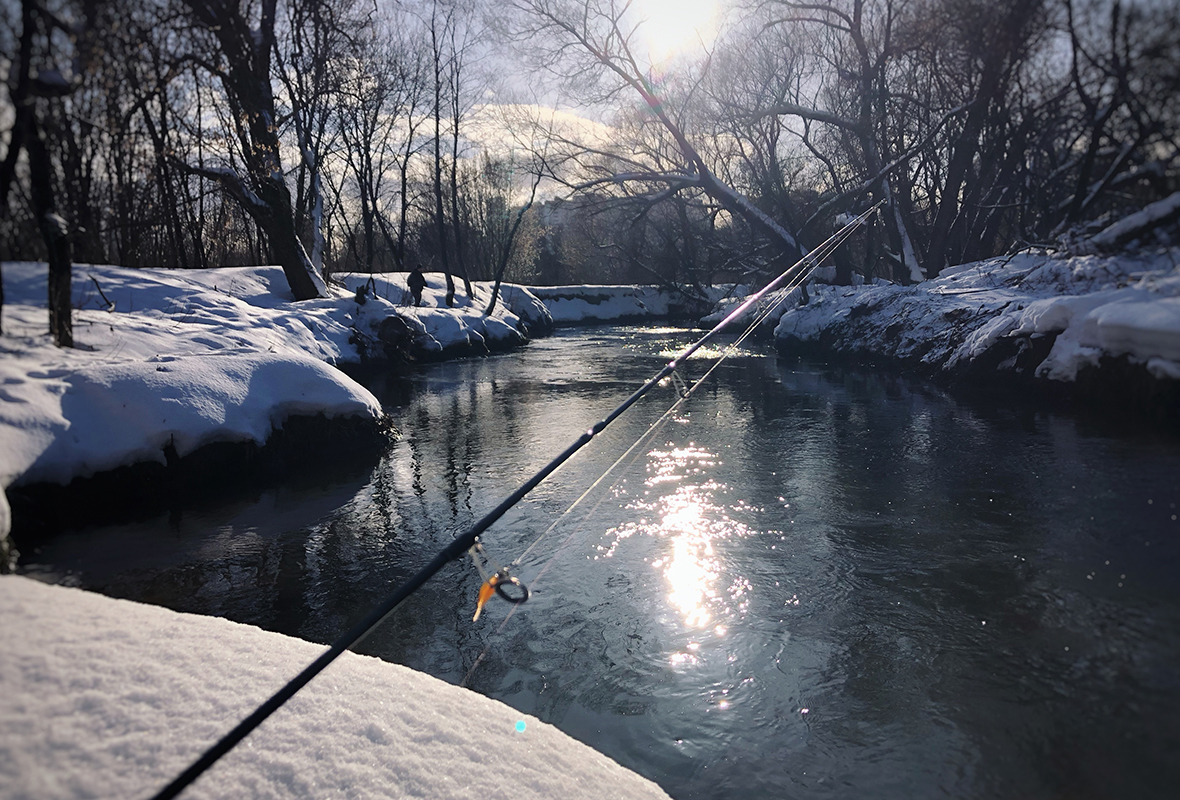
point(1131, 227)
point(231, 181)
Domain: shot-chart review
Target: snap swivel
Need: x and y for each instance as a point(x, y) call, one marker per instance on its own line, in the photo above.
point(494, 582)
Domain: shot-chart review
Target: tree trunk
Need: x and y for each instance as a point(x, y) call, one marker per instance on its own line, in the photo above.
point(56, 235)
point(441, 224)
point(962, 157)
point(20, 96)
point(1008, 36)
point(506, 256)
point(285, 246)
point(456, 224)
point(440, 221)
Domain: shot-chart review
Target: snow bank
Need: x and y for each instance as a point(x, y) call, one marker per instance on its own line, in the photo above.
point(439, 328)
point(167, 358)
point(125, 413)
point(179, 359)
point(1089, 307)
point(766, 311)
point(574, 305)
point(108, 698)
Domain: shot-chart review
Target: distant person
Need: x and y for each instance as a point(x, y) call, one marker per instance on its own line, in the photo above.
point(417, 282)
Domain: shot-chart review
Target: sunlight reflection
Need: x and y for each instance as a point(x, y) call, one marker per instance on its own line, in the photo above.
point(691, 574)
point(664, 331)
point(710, 352)
point(683, 505)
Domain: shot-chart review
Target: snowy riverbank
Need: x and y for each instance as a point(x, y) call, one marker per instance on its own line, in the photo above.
point(108, 698)
point(581, 305)
point(1038, 317)
point(168, 361)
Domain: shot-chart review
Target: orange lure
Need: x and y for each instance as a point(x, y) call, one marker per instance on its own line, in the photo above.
point(485, 593)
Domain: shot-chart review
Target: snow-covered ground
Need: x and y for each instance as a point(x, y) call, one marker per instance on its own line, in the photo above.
point(106, 698)
point(1052, 316)
point(181, 359)
point(576, 305)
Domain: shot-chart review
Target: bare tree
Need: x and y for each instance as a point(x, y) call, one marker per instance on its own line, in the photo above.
point(241, 59)
point(994, 41)
point(440, 21)
point(459, 48)
point(380, 111)
point(859, 41)
point(500, 226)
point(1124, 76)
point(591, 43)
point(315, 42)
point(39, 26)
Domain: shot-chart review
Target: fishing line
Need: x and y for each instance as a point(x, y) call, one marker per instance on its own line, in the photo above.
point(684, 391)
point(631, 454)
point(461, 544)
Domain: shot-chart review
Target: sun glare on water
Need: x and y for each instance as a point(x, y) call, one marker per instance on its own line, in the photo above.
point(673, 27)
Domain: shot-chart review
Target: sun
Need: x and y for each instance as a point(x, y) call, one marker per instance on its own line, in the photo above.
point(670, 28)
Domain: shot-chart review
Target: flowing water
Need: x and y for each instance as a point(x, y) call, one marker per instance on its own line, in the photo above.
point(811, 582)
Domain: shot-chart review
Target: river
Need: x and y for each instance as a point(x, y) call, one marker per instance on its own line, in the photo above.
point(812, 582)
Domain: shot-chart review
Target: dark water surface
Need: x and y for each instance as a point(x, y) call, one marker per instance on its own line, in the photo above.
point(812, 583)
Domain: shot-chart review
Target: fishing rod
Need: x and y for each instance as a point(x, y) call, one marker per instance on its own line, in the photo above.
point(470, 538)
